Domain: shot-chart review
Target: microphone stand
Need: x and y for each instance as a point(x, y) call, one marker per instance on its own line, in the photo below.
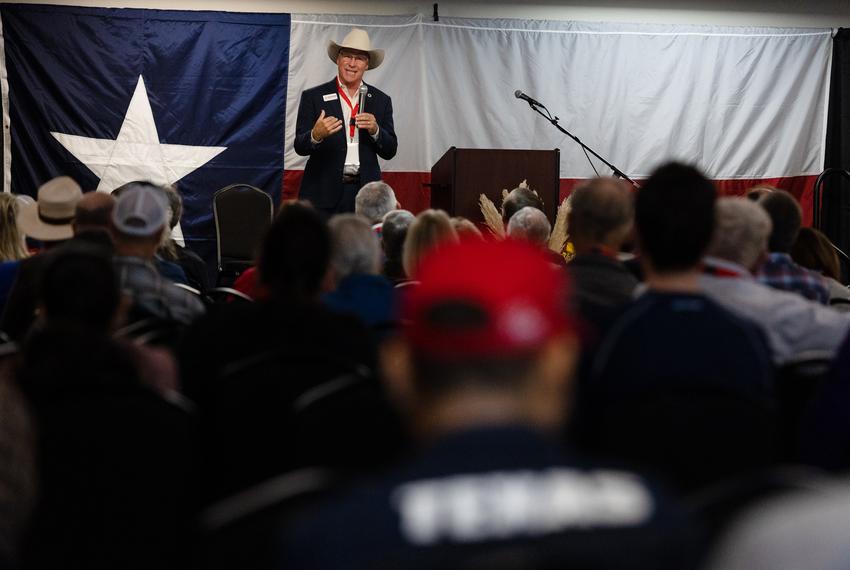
point(554, 120)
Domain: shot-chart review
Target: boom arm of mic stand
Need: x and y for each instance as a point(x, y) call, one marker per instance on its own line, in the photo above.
point(617, 172)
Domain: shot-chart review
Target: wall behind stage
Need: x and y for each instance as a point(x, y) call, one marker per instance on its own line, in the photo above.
point(773, 13)
point(781, 13)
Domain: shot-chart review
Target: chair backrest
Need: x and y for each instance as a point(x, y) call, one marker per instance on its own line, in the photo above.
point(690, 438)
point(251, 429)
point(117, 469)
point(242, 215)
point(797, 383)
point(250, 520)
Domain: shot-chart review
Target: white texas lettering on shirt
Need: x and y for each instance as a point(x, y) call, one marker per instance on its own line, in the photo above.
point(506, 504)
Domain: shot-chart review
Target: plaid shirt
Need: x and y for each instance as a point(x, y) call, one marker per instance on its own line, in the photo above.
point(159, 297)
point(780, 272)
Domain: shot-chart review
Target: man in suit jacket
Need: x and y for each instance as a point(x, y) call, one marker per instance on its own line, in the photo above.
point(344, 126)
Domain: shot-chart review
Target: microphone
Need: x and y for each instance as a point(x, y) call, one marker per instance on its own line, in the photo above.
point(363, 91)
point(520, 95)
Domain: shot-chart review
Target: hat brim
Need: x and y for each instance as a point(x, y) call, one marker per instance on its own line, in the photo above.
point(30, 224)
point(376, 56)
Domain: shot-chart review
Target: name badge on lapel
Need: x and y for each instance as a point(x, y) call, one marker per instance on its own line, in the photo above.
point(330, 97)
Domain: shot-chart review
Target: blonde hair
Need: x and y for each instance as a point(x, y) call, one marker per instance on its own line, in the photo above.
point(428, 230)
point(11, 239)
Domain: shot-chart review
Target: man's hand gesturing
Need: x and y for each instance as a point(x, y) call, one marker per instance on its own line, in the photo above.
point(325, 126)
point(367, 121)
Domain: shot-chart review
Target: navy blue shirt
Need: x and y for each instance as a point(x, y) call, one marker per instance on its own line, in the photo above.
point(495, 497)
point(684, 389)
point(682, 342)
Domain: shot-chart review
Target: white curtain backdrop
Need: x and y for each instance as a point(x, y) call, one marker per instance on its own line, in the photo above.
point(739, 102)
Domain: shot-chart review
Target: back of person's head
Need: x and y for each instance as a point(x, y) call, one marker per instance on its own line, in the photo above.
point(140, 213)
point(481, 318)
point(11, 240)
point(93, 211)
point(531, 225)
point(430, 229)
point(674, 217)
point(295, 253)
point(757, 192)
point(79, 287)
point(354, 246)
point(175, 205)
point(394, 231)
point(464, 228)
point(787, 217)
point(517, 199)
point(814, 251)
point(601, 213)
point(740, 232)
point(374, 200)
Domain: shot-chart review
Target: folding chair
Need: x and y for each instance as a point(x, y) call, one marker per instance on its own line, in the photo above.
point(242, 215)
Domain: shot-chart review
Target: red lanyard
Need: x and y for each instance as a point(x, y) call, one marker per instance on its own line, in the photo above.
point(354, 110)
point(720, 271)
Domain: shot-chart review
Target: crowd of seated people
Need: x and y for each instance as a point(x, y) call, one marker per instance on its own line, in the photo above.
point(396, 390)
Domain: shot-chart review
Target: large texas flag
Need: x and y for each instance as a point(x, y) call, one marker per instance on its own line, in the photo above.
point(108, 96)
point(206, 99)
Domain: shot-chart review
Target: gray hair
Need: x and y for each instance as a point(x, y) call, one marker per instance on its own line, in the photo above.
point(531, 224)
point(394, 230)
point(374, 200)
point(741, 231)
point(354, 246)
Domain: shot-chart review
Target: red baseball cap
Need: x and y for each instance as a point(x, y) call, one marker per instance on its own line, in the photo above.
point(505, 298)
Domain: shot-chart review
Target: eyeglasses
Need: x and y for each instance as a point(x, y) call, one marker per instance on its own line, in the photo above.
point(354, 56)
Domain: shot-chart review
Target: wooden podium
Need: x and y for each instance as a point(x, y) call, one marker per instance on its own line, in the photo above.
point(462, 174)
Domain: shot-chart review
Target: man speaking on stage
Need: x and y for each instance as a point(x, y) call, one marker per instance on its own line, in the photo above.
point(344, 126)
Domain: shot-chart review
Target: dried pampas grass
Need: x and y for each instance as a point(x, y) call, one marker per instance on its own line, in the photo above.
point(492, 216)
point(560, 231)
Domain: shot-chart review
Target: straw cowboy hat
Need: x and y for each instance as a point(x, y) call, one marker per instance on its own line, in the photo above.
point(357, 39)
point(49, 217)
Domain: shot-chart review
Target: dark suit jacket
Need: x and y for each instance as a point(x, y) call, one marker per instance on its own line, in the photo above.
point(322, 183)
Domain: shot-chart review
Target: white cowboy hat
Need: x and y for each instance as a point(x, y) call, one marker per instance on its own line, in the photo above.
point(357, 39)
point(49, 217)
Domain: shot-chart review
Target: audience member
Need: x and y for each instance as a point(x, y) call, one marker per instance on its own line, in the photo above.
point(756, 193)
point(814, 251)
point(49, 220)
point(532, 225)
point(19, 474)
point(465, 228)
point(804, 529)
point(138, 221)
point(779, 270)
point(168, 269)
point(600, 220)
point(393, 234)
point(792, 324)
point(93, 213)
point(12, 247)
point(517, 199)
point(115, 457)
point(680, 384)
point(11, 239)
point(358, 288)
point(169, 250)
point(429, 230)
point(374, 201)
point(247, 364)
point(481, 375)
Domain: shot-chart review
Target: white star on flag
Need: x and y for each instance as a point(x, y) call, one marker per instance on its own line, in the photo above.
point(137, 153)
